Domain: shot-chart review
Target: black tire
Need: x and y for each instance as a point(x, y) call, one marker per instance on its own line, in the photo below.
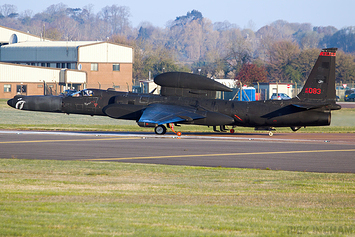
point(160, 130)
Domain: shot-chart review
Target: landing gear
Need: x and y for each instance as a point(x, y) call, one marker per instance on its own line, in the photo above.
point(295, 128)
point(270, 129)
point(222, 128)
point(171, 126)
point(160, 130)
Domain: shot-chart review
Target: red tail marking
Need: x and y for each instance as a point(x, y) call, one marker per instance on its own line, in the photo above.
point(327, 54)
point(313, 91)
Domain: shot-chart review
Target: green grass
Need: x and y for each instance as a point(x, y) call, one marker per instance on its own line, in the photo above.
point(72, 198)
point(342, 121)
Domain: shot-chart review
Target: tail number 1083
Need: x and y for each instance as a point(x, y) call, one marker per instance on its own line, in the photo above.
point(316, 91)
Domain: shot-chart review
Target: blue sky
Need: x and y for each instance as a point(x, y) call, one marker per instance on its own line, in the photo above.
point(339, 13)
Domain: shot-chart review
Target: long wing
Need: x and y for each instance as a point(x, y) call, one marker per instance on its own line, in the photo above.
point(162, 114)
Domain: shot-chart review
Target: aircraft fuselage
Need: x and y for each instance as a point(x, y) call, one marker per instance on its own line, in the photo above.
point(268, 113)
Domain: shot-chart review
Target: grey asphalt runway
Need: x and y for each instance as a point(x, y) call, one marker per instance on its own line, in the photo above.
point(349, 105)
point(288, 151)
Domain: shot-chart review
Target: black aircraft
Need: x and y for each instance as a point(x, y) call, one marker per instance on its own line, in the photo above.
point(190, 99)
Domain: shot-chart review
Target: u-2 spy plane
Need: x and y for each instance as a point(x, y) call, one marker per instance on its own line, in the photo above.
point(187, 98)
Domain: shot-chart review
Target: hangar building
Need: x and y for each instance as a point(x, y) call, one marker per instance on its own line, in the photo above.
point(9, 36)
point(38, 67)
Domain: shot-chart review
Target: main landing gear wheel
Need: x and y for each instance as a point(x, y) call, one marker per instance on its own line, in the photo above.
point(271, 134)
point(160, 130)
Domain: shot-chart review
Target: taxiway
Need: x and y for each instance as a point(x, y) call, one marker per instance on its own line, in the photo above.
point(288, 151)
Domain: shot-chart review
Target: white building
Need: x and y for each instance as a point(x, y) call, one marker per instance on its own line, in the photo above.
point(11, 36)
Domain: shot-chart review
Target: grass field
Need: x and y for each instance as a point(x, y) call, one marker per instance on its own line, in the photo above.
point(73, 198)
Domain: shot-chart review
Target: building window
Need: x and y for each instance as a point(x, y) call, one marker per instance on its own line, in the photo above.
point(63, 65)
point(7, 88)
point(94, 67)
point(58, 65)
point(48, 65)
point(21, 89)
point(43, 64)
point(116, 67)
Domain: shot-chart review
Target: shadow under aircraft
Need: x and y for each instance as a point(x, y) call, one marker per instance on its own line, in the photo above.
point(187, 98)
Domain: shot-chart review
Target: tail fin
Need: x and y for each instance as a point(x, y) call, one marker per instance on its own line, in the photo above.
point(320, 84)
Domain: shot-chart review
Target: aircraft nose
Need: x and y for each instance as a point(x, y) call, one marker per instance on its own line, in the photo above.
point(10, 102)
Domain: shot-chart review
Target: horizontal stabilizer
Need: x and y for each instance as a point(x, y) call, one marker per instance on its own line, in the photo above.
point(307, 106)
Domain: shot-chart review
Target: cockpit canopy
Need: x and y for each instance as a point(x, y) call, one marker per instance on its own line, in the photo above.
point(81, 93)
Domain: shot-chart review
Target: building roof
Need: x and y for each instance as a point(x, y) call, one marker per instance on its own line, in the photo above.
point(66, 51)
point(7, 33)
point(40, 44)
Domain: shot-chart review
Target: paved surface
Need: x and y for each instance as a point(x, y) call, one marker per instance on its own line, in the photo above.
point(288, 151)
point(349, 105)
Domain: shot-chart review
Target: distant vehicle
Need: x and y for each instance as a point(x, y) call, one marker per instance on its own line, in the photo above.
point(347, 94)
point(350, 97)
point(69, 92)
point(280, 96)
point(350, 91)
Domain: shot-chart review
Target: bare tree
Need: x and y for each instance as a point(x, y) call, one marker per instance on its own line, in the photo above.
point(345, 65)
point(116, 18)
point(281, 53)
point(7, 9)
point(67, 27)
point(239, 52)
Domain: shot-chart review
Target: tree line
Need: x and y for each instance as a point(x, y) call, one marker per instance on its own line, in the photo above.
point(281, 51)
